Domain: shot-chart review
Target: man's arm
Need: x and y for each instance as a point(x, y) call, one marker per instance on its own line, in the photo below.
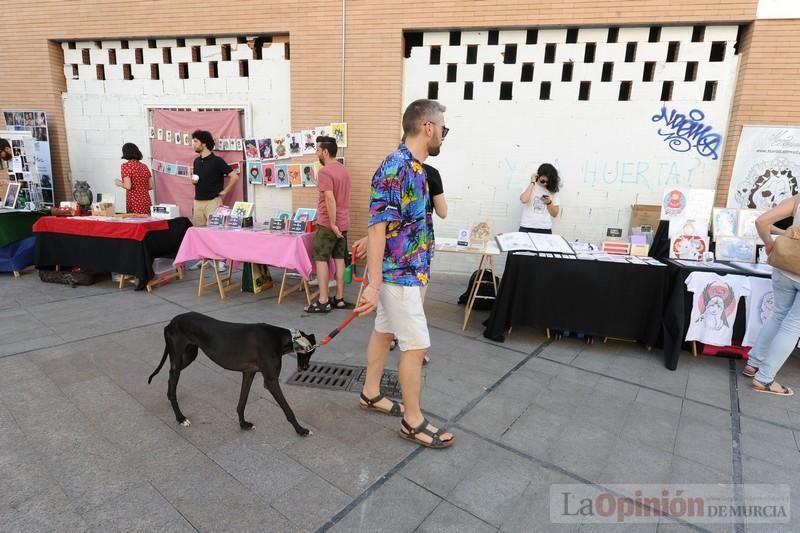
point(440, 205)
point(330, 204)
point(765, 222)
point(376, 244)
point(234, 177)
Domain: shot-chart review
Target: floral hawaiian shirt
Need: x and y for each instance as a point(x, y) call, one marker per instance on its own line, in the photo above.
point(399, 197)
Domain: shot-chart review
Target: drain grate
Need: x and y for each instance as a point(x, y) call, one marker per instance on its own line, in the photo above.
point(389, 385)
point(326, 376)
point(343, 377)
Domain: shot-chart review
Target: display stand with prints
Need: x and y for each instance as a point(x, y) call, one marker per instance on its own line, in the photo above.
point(35, 153)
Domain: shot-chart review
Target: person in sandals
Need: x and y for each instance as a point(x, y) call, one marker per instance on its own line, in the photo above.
point(333, 221)
point(399, 249)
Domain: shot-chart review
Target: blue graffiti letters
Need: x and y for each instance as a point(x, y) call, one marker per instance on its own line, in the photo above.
point(682, 132)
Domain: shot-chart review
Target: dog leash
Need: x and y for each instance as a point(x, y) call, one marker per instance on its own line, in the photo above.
point(329, 337)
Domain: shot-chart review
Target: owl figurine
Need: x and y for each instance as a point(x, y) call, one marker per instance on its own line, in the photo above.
point(82, 194)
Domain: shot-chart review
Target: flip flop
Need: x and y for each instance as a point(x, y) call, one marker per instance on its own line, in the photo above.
point(394, 411)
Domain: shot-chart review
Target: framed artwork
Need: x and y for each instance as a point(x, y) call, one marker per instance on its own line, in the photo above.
point(740, 249)
point(242, 209)
point(688, 226)
point(168, 137)
point(10, 199)
point(284, 215)
point(304, 214)
point(725, 222)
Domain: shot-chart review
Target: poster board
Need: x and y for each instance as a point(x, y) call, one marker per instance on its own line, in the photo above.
point(34, 122)
point(767, 167)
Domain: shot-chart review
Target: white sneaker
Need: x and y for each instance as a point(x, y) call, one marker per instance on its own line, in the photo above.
point(195, 266)
point(221, 266)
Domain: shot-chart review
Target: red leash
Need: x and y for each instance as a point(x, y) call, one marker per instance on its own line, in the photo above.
point(329, 337)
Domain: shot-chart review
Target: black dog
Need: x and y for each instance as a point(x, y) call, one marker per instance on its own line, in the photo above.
point(245, 348)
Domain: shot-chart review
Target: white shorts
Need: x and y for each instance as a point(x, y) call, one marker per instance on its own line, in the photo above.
point(400, 312)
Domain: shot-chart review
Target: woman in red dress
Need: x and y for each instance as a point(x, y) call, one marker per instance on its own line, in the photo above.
point(136, 180)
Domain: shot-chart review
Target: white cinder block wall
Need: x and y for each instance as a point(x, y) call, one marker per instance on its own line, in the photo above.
point(101, 115)
point(609, 152)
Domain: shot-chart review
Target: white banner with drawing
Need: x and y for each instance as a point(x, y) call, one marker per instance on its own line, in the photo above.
point(767, 167)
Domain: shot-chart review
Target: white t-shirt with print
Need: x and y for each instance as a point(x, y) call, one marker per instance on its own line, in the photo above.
point(714, 303)
point(534, 213)
point(759, 308)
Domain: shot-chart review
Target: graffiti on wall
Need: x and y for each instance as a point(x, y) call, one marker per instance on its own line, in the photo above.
point(683, 133)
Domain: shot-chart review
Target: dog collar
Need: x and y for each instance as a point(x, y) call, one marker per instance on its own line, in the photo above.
point(300, 341)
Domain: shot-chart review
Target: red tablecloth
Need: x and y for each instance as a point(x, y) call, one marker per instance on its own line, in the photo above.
point(87, 227)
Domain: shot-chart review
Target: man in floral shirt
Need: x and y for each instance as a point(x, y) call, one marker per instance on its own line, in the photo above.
point(399, 247)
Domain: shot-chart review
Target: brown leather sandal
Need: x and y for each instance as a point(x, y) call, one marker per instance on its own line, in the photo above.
point(394, 411)
point(409, 433)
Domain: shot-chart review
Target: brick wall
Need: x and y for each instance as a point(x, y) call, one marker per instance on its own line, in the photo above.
point(33, 64)
point(767, 92)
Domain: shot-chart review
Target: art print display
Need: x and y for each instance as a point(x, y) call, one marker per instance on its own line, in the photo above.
point(242, 209)
point(760, 305)
point(295, 176)
point(265, 149)
point(309, 141)
point(690, 247)
point(293, 141)
point(688, 226)
point(251, 149)
point(32, 146)
point(725, 222)
point(282, 176)
point(268, 172)
point(284, 215)
point(767, 167)
point(741, 249)
point(714, 303)
point(680, 202)
point(747, 223)
point(309, 176)
point(305, 214)
point(10, 198)
point(280, 147)
point(339, 132)
point(254, 172)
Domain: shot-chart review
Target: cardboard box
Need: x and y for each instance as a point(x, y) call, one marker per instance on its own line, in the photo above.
point(642, 214)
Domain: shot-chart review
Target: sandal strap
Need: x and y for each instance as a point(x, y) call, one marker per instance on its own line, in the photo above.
point(423, 428)
point(372, 401)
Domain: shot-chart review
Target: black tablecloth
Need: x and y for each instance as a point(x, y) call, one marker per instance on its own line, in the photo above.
point(679, 310)
point(103, 254)
point(593, 297)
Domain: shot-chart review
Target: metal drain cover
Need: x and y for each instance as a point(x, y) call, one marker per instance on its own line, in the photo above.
point(326, 376)
point(343, 377)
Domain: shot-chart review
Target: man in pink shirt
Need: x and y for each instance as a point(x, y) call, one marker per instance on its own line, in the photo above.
point(333, 221)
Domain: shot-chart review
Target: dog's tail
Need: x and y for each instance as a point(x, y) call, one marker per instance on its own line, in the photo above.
point(157, 370)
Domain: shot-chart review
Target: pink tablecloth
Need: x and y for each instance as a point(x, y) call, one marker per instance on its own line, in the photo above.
point(275, 249)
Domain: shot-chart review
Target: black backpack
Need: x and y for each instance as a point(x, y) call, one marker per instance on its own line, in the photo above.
point(484, 300)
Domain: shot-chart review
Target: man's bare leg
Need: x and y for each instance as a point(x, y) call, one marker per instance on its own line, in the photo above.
point(377, 355)
point(322, 277)
point(409, 374)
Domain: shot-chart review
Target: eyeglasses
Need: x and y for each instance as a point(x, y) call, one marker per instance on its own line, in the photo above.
point(445, 129)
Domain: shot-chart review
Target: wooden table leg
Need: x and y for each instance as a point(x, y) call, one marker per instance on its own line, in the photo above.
point(473, 291)
point(494, 276)
point(219, 280)
point(283, 284)
point(201, 285)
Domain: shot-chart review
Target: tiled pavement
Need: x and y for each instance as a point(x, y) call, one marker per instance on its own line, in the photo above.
point(87, 445)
